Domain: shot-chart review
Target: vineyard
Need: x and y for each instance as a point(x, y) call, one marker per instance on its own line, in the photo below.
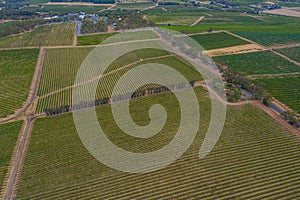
point(293, 53)
point(93, 39)
point(134, 6)
point(48, 35)
point(264, 62)
point(53, 78)
point(73, 8)
point(8, 138)
point(247, 162)
point(217, 40)
point(285, 89)
point(173, 19)
point(268, 39)
point(16, 72)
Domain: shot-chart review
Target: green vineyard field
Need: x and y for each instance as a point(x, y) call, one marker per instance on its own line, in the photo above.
point(264, 62)
point(47, 35)
point(8, 137)
point(217, 40)
point(268, 39)
point(93, 39)
point(53, 79)
point(16, 72)
point(247, 162)
point(285, 89)
point(293, 53)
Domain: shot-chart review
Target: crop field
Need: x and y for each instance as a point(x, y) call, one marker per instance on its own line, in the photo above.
point(217, 40)
point(173, 19)
point(48, 35)
point(93, 39)
point(264, 62)
point(227, 17)
point(73, 8)
point(286, 89)
point(53, 79)
point(268, 39)
point(293, 53)
point(281, 29)
point(134, 6)
point(247, 162)
point(60, 67)
point(16, 72)
point(8, 137)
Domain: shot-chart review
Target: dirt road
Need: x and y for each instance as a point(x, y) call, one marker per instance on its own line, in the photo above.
point(197, 21)
point(20, 149)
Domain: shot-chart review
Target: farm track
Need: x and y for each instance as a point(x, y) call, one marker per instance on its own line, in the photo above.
point(258, 76)
point(197, 21)
point(283, 46)
point(277, 117)
point(263, 47)
point(21, 147)
point(18, 159)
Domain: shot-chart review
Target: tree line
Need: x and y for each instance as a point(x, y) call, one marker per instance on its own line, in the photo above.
point(88, 1)
point(116, 98)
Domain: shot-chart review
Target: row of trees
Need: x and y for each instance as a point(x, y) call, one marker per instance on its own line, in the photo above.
point(80, 106)
point(106, 100)
point(291, 119)
point(241, 82)
point(88, 1)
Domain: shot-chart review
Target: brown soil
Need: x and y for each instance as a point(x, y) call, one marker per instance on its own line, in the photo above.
point(247, 48)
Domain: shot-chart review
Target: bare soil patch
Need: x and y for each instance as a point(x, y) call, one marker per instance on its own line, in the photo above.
point(293, 12)
point(247, 48)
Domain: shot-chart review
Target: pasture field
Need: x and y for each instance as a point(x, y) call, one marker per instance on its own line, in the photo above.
point(53, 79)
point(8, 137)
point(264, 62)
point(93, 39)
point(47, 35)
point(286, 89)
point(293, 53)
point(217, 40)
point(247, 162)
point(16, 72)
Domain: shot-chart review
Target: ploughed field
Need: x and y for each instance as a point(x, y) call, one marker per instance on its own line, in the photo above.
point(249, 161)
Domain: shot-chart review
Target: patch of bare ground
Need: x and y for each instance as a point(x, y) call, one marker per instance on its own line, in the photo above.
point(292, 12)
point(247, 48)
